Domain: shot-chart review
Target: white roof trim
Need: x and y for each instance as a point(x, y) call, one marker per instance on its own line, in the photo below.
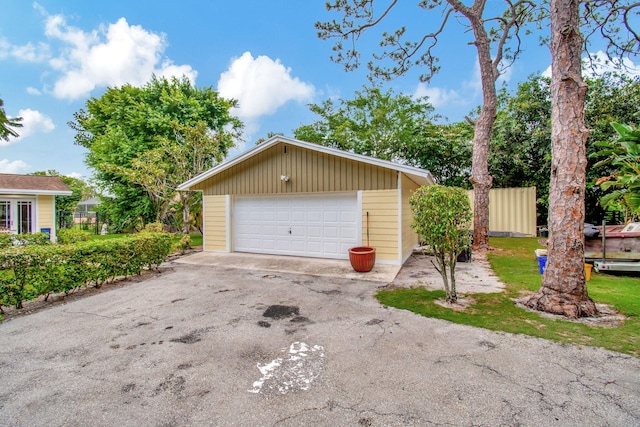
point(409, 170)
point(19, 191)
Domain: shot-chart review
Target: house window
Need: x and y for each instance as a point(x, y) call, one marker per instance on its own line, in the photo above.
point(25, 217)
point(16, 216)
point(5, 216)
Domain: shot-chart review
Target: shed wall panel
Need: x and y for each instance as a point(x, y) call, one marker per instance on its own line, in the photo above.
point(215, 223)
point(382, 206)
point(511, 210)
point(409, 236)
point(308, 171)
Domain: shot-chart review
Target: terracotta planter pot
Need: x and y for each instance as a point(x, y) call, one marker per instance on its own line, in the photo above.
point(362, 258)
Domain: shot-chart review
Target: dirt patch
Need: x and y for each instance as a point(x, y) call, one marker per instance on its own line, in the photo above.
point(172, 385)
point(461, 305)
point(190, 338)
point(281, 311)
point(471, 277)
point(331, 292)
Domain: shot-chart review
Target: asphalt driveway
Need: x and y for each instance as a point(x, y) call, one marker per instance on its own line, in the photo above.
point(193, 346)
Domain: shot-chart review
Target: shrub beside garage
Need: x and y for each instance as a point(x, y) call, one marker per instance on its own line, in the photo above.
point(29, 271)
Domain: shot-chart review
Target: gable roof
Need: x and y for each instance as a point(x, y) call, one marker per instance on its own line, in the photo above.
point(421, 176)
point(33, 184)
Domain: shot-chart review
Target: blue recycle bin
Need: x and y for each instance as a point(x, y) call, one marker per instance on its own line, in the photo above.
point(542, 263)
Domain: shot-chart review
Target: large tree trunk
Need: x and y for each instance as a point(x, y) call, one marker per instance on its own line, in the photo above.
point(480, 177)
point(563, 288)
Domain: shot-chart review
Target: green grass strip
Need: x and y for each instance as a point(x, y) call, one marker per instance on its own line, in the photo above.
point(514, 263)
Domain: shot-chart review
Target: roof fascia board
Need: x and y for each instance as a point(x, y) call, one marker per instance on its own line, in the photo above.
point(19, 191)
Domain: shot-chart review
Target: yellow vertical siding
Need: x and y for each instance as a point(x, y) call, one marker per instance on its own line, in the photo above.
point(215, 223)
point(45, 217)
point(511, 210)
point(308, 171)
point(382, 206)
point(409, 236)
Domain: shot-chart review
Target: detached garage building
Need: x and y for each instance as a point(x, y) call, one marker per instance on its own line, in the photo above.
point(290, 197)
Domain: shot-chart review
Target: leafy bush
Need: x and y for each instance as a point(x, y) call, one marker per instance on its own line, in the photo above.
point(184, 243)
point(154, 227)
point(8, 240)
point(72, 235)
point(30, 271)
point(442, 217)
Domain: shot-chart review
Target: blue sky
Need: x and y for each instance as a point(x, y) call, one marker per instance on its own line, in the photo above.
point(57, 54)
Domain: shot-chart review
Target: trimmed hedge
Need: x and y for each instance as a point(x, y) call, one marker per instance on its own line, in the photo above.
point(8, 240)
point(68, 236)
point(30, 271)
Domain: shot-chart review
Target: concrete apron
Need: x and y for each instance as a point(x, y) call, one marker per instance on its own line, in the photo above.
point(292, 264)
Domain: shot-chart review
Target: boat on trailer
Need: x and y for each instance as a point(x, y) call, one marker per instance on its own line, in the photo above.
point(615, 248)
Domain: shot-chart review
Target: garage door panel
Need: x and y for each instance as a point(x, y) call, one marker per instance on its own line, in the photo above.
point(331, 247)
point(305, 225)
point(298, 216)
point(314, 215)
point(281, 215)
point(269, 230)
point(314, 232)
point(314, 247)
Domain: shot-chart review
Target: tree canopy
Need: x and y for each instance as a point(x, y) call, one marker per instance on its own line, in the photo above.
point(374, 123)
point(396, 127)
point(130, 129)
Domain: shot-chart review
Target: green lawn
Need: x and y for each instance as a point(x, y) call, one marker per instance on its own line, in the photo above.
point(514, 263)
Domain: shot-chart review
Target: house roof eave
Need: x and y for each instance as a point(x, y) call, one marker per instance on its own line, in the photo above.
point(19, 191)
point(420, 174)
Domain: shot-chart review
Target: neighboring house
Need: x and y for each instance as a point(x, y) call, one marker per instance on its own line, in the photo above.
point(289, 197)
point(87, 206)
point(86, 211)
point(27, 203)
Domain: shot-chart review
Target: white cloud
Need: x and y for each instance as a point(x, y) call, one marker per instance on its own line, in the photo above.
point(16, 166)
point(112, 55)
point(74, 175)
point(438, 97)
point(33, 121)
point(261, 86)
point(26, 53)
point(466, 94)
point(601, 64)
point(33, 91)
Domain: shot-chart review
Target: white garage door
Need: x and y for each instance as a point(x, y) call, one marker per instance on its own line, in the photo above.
point(323, 225)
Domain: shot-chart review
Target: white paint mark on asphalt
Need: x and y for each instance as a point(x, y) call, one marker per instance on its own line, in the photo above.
point(295, 371)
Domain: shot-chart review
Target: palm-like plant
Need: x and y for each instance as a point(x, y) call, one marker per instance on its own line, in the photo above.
point(6, 123)
point(623, 154)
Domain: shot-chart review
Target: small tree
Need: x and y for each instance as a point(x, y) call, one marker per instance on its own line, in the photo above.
point(442, 217)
